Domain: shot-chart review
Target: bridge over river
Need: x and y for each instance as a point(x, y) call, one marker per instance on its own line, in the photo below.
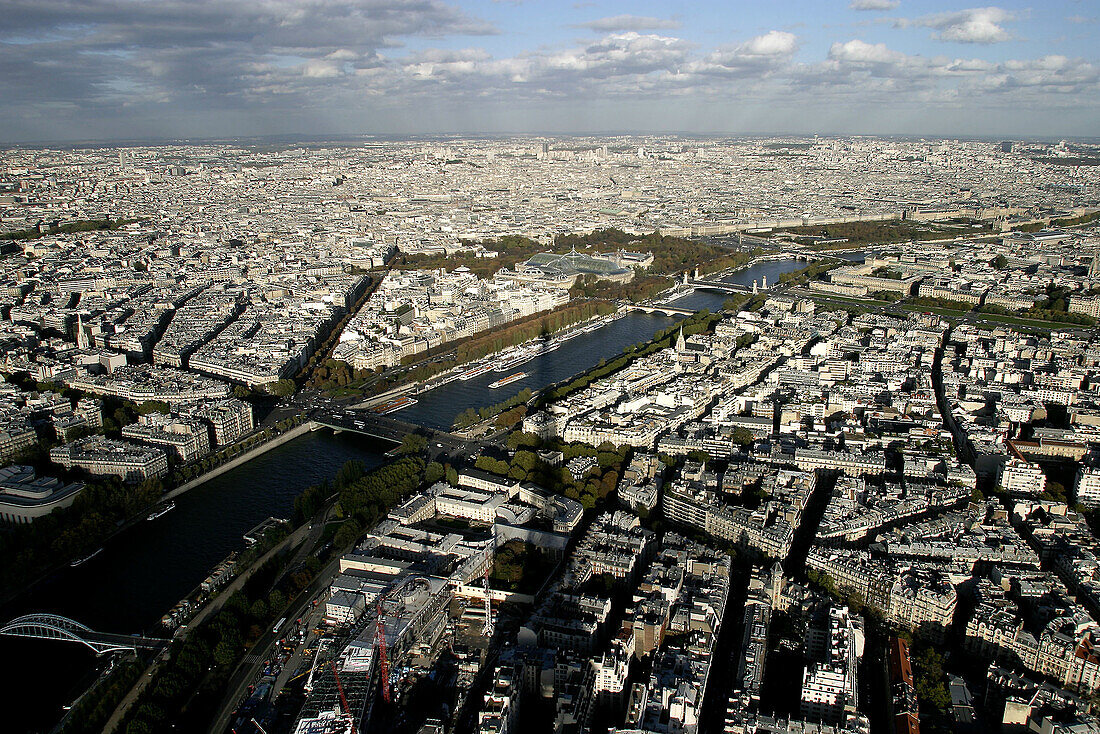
point(54, 627)
point(387, 428)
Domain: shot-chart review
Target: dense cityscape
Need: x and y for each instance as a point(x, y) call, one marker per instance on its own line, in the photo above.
point(631, 434)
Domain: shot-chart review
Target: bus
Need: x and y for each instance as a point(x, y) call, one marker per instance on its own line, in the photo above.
point(278, 624)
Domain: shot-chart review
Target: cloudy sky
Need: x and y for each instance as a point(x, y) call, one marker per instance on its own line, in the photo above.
point(152, 69)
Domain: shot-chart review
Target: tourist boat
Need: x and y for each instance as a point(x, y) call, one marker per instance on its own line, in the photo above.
point(569, 335)
point(515, 361)
point(508, 380)
point(161, 511)
point(392, 406)
point(476, 372)
point(598, 324)
point(85, 559)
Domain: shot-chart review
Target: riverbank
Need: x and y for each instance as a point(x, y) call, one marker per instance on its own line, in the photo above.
point(212, 606)
point(10, 594)
point(244, 458)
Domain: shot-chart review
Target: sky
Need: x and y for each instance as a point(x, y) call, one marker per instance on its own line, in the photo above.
point(168, 69)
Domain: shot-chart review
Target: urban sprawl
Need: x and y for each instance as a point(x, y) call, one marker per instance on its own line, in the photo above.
point(863, 497)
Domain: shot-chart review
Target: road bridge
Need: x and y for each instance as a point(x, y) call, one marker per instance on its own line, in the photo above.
point(54, 627)
point(387, 428)
point(718, 285)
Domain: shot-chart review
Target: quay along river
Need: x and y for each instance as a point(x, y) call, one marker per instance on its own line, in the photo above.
point(147, 568)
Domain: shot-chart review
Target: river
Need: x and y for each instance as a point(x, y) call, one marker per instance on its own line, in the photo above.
point(146, 569)
point(438, 408)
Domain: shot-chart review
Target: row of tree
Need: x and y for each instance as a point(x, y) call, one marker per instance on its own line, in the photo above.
point(187, 688)
point(79, 225)
point(364, 497)
point(517, 402)
point(449, 356)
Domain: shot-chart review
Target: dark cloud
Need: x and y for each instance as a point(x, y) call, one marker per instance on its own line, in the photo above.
point(619, 23)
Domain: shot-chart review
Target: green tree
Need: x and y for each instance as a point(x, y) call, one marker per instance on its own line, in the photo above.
point(283, 388)
point(742, 436)
point(433, 472)
point(413, 443)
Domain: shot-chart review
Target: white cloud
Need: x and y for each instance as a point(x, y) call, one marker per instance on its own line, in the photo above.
point(860, 52)
point(874, 4)
point(772, 43)
point(973, 25)
point(321, 70)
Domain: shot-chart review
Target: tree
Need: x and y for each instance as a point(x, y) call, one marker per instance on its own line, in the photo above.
point(525, 460)
point(283, 388)
point(931, 683)
point(519, 439)
point(413, 443)
point(228, 647)
point(1000, 262)
point(347, 533)
point(1055, 492)
point(350, 473)
point(742, 436)
point(153, 406)
point(433, 472)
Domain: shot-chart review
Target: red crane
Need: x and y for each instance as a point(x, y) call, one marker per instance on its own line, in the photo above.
point(343, 698)
point(383, 663)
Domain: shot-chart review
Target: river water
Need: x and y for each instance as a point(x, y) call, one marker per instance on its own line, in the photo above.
point(145, 570)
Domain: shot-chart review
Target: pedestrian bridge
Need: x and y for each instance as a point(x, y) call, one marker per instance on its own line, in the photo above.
point(54, 627)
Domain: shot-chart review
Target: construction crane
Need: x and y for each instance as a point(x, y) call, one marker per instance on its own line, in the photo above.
point(488, 607)
point(383, 662)
point(343, 698)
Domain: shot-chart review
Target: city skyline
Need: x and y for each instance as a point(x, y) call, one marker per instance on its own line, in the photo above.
point(168, 70)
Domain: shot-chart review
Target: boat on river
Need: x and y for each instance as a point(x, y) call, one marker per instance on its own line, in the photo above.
point(508, 380)
point(164, 510)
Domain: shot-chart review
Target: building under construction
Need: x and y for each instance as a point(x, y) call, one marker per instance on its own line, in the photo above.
point(367, 662)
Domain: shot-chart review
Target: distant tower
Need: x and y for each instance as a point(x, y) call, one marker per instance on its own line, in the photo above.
point(685, 277)
point(1094, 267)
point(755, 289)
point(697, 273)
point(764, 284)
point(81, 339)
point(681, 344)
